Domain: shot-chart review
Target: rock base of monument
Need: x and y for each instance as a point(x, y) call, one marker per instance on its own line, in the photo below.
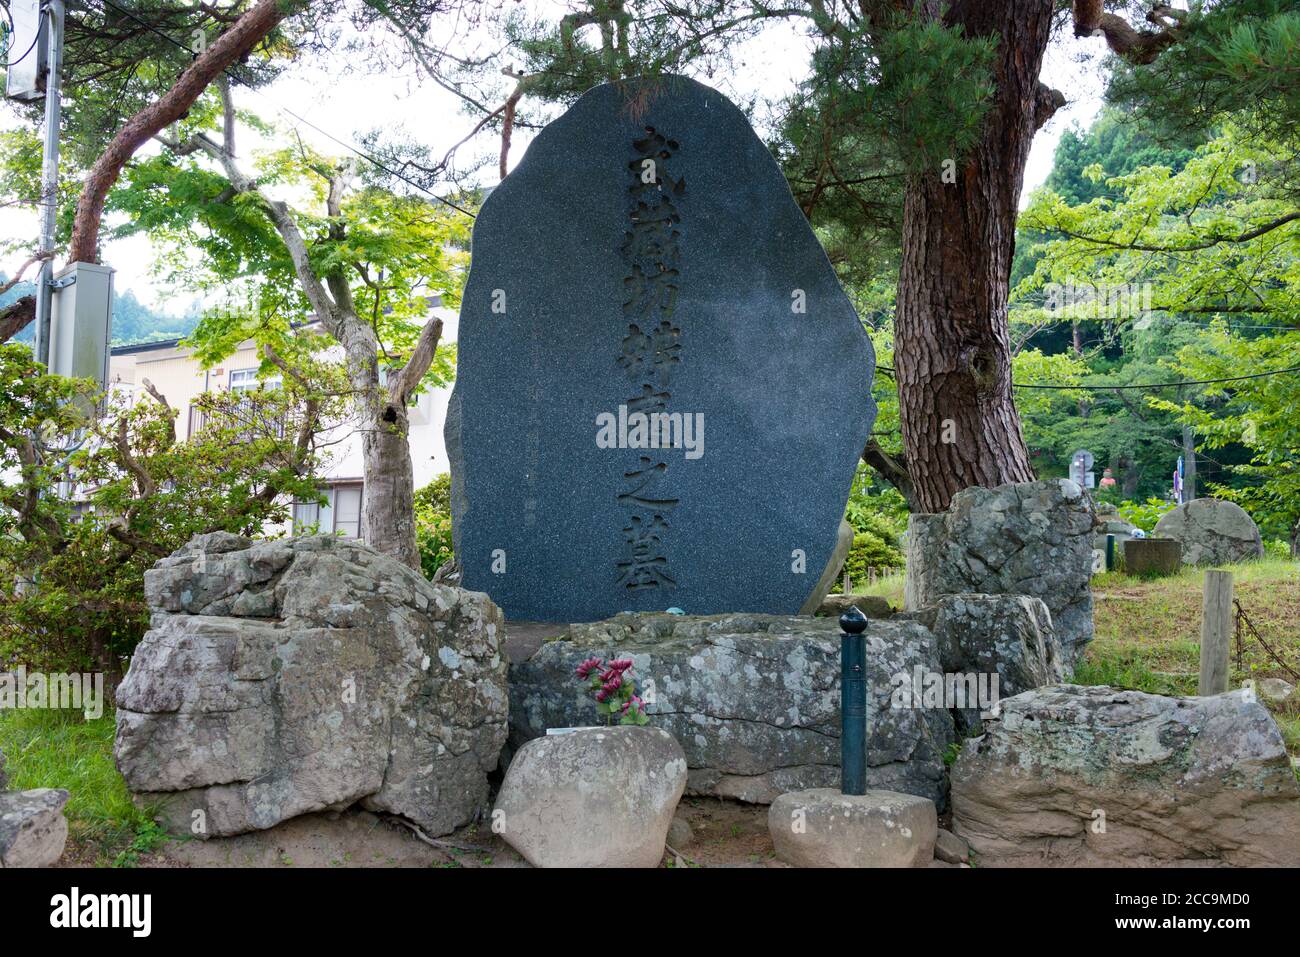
point(824, 828)
point(1032, 538)
point(1074, 776)
point(295, 675)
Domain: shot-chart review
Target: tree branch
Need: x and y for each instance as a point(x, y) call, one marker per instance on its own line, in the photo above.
point(15, 317)
point(402, 384)
point(233, 44)
point(893, 468)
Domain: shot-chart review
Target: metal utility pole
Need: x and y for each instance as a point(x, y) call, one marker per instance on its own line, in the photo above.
point(49, 177)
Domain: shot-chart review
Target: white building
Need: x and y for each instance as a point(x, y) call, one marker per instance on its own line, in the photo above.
point(173, 370)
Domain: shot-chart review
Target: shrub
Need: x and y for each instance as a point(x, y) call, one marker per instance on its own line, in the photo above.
point(433, 524)
point(72, 569)
point(1144, 515)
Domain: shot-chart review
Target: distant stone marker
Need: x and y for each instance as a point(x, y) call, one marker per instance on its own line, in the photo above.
point(1213, 532)
point(662, 391)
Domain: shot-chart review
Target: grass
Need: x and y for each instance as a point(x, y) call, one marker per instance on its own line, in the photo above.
point(60, 749)
point(1148, 631)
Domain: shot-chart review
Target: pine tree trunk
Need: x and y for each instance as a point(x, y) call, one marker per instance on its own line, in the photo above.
point(952, 346)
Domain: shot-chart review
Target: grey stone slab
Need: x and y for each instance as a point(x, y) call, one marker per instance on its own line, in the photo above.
point(678, 296)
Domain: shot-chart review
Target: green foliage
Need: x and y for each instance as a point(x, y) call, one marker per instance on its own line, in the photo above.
point(60, 749)
point(872, 552)
point(149, 836)
point(393, 252)
point(1262, 414)
point(1144, 515)
point(1236, 57)
point(433, 524)
point(878, 514)
point(72, 568)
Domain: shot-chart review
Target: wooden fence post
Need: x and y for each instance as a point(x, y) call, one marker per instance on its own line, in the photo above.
point(1216, 631)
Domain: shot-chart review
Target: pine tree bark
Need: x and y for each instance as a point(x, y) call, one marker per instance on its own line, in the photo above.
point(952, 348)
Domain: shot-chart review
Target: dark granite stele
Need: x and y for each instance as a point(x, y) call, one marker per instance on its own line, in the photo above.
point(645, 274)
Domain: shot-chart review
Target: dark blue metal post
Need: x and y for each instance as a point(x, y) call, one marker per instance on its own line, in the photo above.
point(853, 702)
point(1110, 552)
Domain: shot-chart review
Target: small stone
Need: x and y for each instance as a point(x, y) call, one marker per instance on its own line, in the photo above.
point(1275, 691)
point(597, 797)
point(680, 833)
point(33, 829)
point(950, 848)
point(824, 828)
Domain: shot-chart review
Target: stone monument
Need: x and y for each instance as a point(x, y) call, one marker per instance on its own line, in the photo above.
point(662, 390)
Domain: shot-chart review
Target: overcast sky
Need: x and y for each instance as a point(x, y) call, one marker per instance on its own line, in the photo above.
point(346, 106)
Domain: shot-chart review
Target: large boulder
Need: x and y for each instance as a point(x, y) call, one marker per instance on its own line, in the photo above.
point(753, 699)
point(1071, 776)
point(1033, 538)
point(983, 637)
point(33, 829)
point(600, 797)
point(824, 828)
point(1212, 532)
point(295, 675)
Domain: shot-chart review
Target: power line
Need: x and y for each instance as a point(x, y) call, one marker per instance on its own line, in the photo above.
point(1145, 385)
point(288, 112)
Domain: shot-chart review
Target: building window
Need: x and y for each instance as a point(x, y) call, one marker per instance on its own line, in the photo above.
point(245, 380)
point(340, 515)
point(347, 510)
point(305, 515)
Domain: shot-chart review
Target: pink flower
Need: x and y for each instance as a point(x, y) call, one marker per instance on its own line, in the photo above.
point(601, 695)
point(609, 687)
point(620, 665)
point(588, 666)
point(634, 700)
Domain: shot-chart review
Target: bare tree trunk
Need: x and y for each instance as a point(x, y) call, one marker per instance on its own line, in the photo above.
point(952, 347)
point(389, 512)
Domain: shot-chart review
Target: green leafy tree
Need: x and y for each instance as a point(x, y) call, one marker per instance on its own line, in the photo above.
point(1261, 413)
point(363, 262)
point(73, 556)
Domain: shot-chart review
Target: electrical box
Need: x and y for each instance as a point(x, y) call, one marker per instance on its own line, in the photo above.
point(27, 49)
point(81, 321)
